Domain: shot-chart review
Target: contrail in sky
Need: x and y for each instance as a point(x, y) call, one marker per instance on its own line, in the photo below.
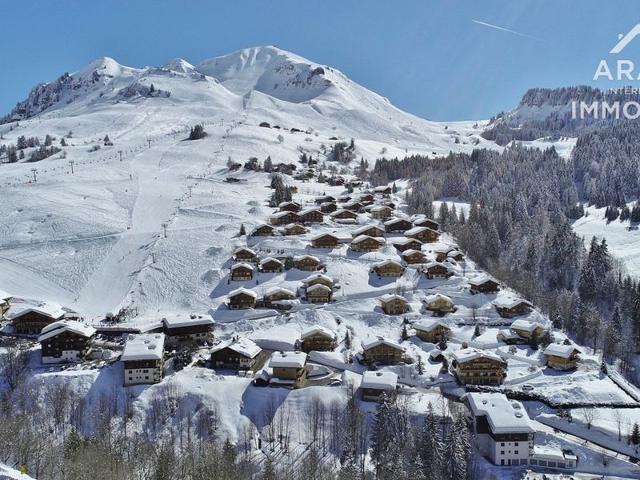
point(508, 30)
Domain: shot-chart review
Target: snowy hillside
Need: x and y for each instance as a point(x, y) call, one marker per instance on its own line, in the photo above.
point(86, 239)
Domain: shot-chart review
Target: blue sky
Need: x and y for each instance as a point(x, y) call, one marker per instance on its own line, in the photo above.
point(428, 57)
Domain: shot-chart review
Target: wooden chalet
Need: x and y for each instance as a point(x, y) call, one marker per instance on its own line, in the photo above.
point(238, 354)
point(392, 304)
point(456, 255)
point(483, 284)
point(318, 293)
point(365, 243)
point(439, 304)
point(526, 330)
point(561, 357)
point(328, 207)
point(182, 331)
point(388, 268)
point(478, 367)
point(31, 320)
point(284, 218)
point(294, 229)
point(319, 339)
point(382, 350)
point(381, 212)
point(65, 341)
point(244, 254)
point(421, 221)
point(369, 230)
point(289, 368)
point(241, 272)
point(263, 230)
point(307, 263)
point(366, 198)
point(324, 199)
point(318, 278)
point(405, 243)
point(344, 198)
point(271, 265)
point(512, 307)
point(436, 270)
point(344, 215)
point(442, 253)
point(241, 298)
point(413, 257)
point(424, 234)
point(432, 331)
point(397, 225)
point(325, 240)
point(353, 206)
point(374, 384)
point(311, 215)
point(382, 190)
point(290, 207)
point(279, 298)
point(143, 359)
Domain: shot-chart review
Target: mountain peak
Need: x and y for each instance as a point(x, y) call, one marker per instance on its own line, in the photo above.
point(179, 65)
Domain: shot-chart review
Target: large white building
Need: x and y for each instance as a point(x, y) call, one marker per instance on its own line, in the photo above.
point(502, 428)
point(143, 359)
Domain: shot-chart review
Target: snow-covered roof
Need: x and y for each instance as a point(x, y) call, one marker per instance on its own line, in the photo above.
point(380, 208)
point(428, 324)
point(525, 325)
point(244, 249)
point(73, 326)
point(288, 360)
point(273, 290)
point(503, 415)
point(560, 350)
point(270, 259)
point(379, 380)
point(468, 354)
point(412, 251)
point(342, 211)
point(442, 248)
point(146, 346)
point(436, 264)
point(391, 296)
point(381, 341)
point(509, 302)
point(454, 253)
point(481, 279)
point(317, 330)
point(286, 204)
point(317, 276)
point(297, 258)
point(416, 230)
point(240, 290)
point(548, 452)
point(4, 296)
point(177, 321)
point(405, 240)
point(325, 234)
point(243, 346)
point(395, 220)
point(235, 266)
point(364, 228)
point(382, 188)
point(437, 296)
point(51, 310)
point(387, 262)
point(304, 211)
point(362, 238)
point(283, 214)
point(318, 286)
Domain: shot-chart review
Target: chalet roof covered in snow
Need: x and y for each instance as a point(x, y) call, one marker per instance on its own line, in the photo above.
point(73, 326)
point(468, 354)
point(481, 280)
point(395, 220)
point(297, 258)
point(525, 325)
point(381, 341)
point(362, 238)
point(244, 249)
point(560, 350)
point(437, 297)
point(358, 231)
point(509, 302)
point(277, 289)
point(386, 262)
point(288, 360)
point(243, 290)
point(51, 310)
point(177, 321)
point(417, 230)
point(379, 380)
point(244, 346)
point(318, 287)
point(323, 235)
point(317, 276)
point(390, 297)
point(236, 266)
point(270, 259)
point(404, 240)
point(503, 415)
point(317, 330)
point(145, 346)
point(428, 324)
point(304, 211)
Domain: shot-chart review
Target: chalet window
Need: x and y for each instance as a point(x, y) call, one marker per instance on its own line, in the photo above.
point(146, 377)
point(130, 379)
point(502, 444)
point(515, 452)
point(501, 452)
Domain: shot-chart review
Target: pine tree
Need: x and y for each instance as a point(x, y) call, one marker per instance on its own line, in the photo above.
point(635, 434)
point(242, 230)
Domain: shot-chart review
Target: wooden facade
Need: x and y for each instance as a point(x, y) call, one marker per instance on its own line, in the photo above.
point(480, 369)
point(284, 218)
point(318, 340)
point(370, 231)
point(484, 286)
point(31, 322)
point(521, 307)
point(245, 255)
point(397, 225)
point(241, 299)
point(307, 263)
point(437, 270)
point(344, 215)
point(413, 257)
point(394, 304)
point(294, 229)
point(426, 222)
point(381, 212)
point(407, 244)
point(240, 355)
point(271, 265)
point(383, 351)
point(263, 231)
point(61, 344)
point(311, 216)
point(432, 333)
point(319, 293)
point(364, 243)
point(328, 207)
point(290, 207)
point(241, 272)
point(424, 234)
